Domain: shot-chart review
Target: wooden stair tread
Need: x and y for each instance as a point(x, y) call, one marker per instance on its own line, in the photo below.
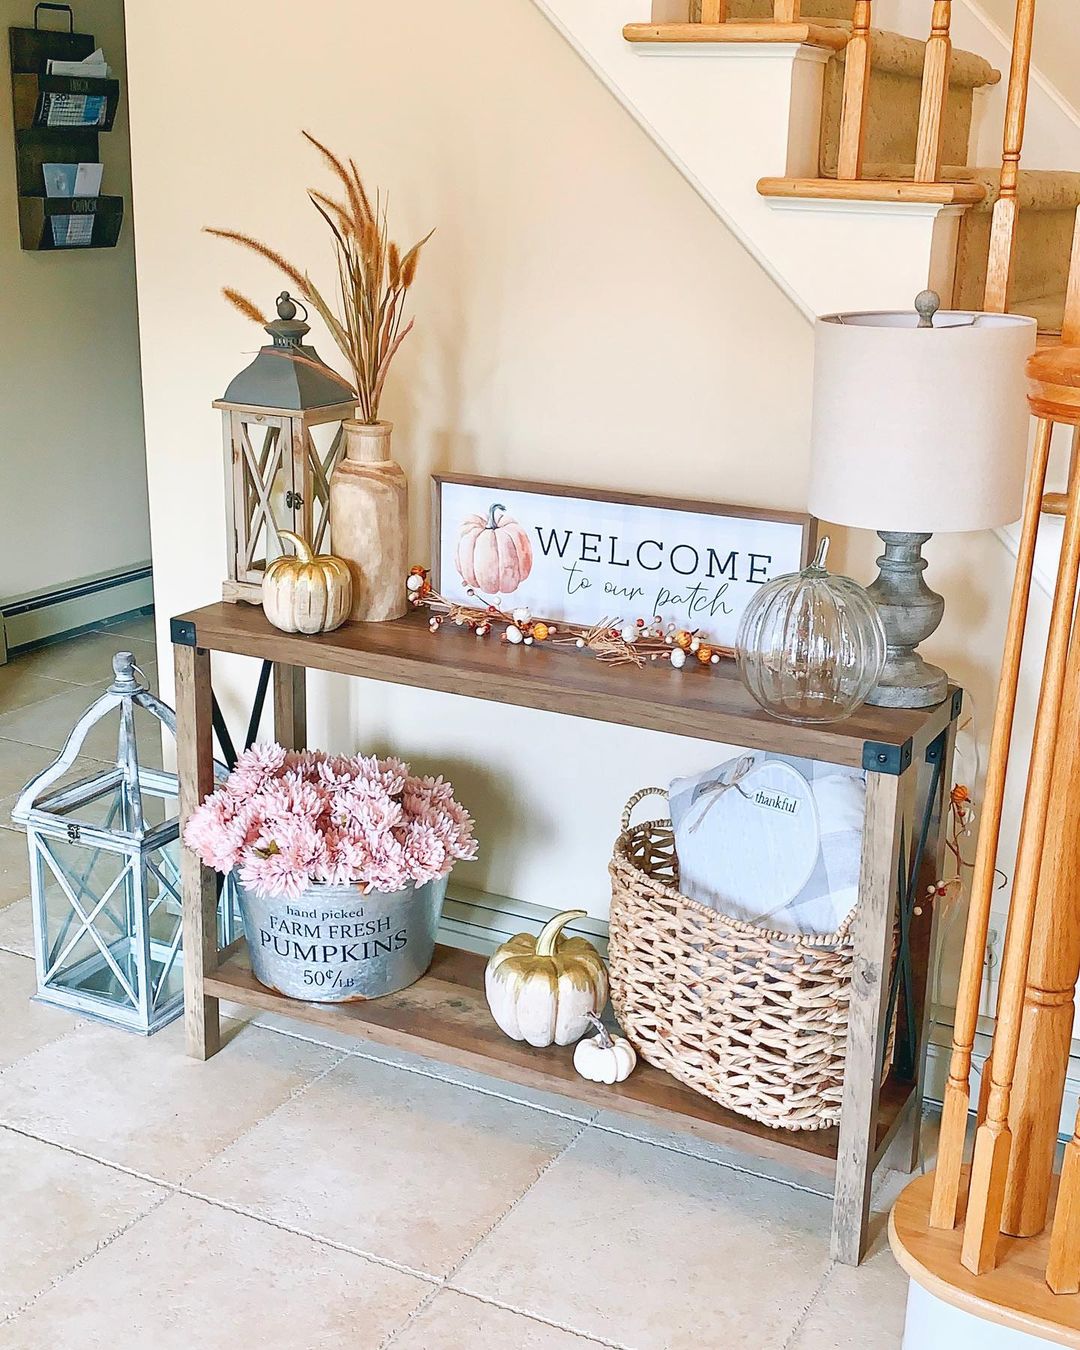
point(813, 33)
point(891, 53)
point(1015, 1294)
point(873, 190)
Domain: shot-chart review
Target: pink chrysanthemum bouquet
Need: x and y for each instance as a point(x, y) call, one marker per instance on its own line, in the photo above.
point(286, 820)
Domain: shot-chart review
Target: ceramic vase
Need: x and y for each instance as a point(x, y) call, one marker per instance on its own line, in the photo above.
point(369, 510)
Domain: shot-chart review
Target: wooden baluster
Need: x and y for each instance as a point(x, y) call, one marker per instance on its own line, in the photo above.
point(993, 1141)
point(1053, 969)
point(856, 91)
point(786, 11)
point(1063, 1265)
point(714, 11)
point(1070, 324)
point(1003, 224)
point(1054, 966)
point(935, 95)
point(957, 1088)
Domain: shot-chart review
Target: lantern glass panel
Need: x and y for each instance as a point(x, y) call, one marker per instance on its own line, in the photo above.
point(86, 905)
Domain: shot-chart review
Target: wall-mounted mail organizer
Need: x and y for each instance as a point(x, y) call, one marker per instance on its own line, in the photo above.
point(57, 119)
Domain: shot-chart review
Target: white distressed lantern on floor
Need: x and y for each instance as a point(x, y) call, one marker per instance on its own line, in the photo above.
point(105, 872)
point(277, 471)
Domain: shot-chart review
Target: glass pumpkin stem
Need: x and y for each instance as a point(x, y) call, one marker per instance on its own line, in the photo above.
point(549, 934)
point(822, 552)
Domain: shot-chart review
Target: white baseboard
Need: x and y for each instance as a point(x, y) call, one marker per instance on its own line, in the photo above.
point(29, 620)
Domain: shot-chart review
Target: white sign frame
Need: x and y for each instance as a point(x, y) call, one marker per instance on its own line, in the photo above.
point(611, 556)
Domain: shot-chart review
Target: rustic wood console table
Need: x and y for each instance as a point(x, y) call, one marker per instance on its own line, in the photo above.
point(908, 758)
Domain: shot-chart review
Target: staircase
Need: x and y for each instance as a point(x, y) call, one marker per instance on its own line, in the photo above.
point(873, 131)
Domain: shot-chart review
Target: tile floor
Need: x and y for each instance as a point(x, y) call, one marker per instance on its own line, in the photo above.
point(299, 1194)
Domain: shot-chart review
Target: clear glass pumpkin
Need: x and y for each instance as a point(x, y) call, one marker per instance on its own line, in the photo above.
point(810, 645)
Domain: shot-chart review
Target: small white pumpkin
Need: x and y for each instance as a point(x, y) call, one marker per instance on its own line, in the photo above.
point(308, 593)
point(603, 1058)
point(542, 989)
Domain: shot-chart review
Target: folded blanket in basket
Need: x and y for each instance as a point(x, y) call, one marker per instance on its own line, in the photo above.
point(772, 840)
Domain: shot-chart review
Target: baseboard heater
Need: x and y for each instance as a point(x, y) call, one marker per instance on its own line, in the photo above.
point(28, 621)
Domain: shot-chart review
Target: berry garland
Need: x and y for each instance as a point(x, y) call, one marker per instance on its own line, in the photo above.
point(617, 643)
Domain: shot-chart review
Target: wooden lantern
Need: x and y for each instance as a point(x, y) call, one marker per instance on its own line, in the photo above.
point(276, 476)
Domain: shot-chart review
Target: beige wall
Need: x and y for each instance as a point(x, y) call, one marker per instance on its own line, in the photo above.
point(581, 317)
point(72, 473)
point(1056, 43)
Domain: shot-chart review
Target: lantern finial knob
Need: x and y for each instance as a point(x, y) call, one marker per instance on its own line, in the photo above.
point(286, 306)
point(124, 681)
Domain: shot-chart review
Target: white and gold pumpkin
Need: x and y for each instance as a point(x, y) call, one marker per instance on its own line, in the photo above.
point(543, 989)
point(309, 593)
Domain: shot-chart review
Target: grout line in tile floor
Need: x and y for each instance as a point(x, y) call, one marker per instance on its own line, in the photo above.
point(553, 1111)
point(800, 1320)
point(84, 1259)
point(170, 1187)
point(446, 1281)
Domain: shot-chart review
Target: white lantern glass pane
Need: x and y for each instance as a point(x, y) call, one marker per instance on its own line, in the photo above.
point(324, 447)
point(88, 901)
point(265, 457)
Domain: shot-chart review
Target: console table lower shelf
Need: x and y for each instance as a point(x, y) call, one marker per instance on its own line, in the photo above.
point(445, 1017)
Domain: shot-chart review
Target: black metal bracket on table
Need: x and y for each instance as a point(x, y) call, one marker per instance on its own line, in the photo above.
point(182, 632)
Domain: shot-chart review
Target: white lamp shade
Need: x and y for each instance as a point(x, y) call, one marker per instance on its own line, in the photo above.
point(920, 429)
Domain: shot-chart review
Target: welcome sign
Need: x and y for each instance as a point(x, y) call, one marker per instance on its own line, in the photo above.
point(580, 556)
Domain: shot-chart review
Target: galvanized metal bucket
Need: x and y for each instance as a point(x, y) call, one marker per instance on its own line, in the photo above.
point(335, 943)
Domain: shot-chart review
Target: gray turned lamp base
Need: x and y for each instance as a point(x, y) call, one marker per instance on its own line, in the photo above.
point(910, 612)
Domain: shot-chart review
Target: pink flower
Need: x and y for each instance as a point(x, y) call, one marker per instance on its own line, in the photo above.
point(286, 820)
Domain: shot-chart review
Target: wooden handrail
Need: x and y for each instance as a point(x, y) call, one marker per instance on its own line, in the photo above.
point(856, 92)
point(1003, 225)
point(935, 94)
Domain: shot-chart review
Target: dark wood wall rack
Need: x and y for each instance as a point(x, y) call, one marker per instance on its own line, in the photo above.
point(37, 143)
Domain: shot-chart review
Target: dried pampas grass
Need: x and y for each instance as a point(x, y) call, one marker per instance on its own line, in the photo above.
point(373, 279)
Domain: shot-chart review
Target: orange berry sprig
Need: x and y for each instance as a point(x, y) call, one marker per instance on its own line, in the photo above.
point(636, 643)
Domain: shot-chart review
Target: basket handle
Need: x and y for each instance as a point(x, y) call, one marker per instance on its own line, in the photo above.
point(639, 796)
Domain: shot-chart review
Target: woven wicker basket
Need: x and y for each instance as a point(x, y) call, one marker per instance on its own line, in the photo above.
point(754, 1019)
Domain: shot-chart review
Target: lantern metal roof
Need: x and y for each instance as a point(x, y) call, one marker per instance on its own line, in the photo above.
point(287, 375)
point(56, 814)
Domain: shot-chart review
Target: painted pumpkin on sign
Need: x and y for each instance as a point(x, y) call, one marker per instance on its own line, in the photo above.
point(543, 989)
point(494, 555)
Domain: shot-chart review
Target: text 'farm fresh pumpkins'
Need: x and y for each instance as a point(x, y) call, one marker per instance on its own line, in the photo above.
point(494, 555)
point(543, 989)
point(311, 593)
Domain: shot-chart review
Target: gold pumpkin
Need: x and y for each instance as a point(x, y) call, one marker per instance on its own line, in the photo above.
point(542, 989)
point(308, 593)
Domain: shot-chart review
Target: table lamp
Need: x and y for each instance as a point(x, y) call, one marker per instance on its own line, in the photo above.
point(920, 424)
